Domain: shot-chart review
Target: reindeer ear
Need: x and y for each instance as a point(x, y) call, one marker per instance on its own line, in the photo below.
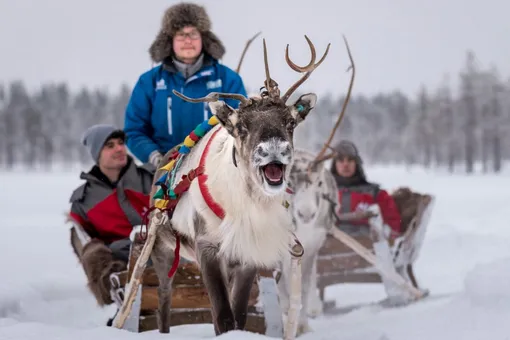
point(303, 106)
point(227, 116)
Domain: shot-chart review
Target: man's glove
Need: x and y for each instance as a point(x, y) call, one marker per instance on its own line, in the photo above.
point(155, 157)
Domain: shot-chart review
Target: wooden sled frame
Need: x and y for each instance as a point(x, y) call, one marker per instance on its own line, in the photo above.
point(190, 301)
point(337, 263)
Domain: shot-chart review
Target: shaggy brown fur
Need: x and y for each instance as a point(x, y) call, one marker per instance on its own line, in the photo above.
point(98, 263)
point(407, 202)
point(177, 17)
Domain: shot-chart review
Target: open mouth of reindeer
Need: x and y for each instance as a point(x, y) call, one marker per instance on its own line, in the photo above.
point(273, 173)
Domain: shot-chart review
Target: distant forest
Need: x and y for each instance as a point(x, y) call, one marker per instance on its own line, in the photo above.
point(432, 129)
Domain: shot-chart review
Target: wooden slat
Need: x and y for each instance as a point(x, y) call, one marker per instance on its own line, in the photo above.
point(255, 323)
point(340, 263)
point(324, 281)
point(334, 246)
point(336, 263)
point(149, 278)
point(187, 274)
point(187, 297)
point(184, 297)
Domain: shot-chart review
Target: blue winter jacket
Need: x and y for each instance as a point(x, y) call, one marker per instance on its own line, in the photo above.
point(156, 119)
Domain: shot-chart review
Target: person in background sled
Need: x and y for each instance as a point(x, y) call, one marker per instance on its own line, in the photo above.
point(108, 205)
point(156, 120)
point(356, 193)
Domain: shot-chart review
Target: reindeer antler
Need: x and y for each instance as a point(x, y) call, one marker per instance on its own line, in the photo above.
point(308, 68)
point(214, 96)
point(248, 43)
point(320, 157)
point(270, 85)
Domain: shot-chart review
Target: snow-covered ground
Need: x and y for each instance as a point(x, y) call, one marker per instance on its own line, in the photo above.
point(465, 261)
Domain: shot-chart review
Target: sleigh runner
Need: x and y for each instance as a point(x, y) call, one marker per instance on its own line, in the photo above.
point(338, 263)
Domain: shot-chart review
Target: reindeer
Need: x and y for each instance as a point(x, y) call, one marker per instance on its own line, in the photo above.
point(311, 212)
point(231, 220)
point(312, 208)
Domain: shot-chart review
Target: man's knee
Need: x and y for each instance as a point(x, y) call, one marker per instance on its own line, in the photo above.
point(121, 249)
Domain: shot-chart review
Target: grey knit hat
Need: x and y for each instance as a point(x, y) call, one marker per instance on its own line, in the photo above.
point(97, 135)
point(346, 148)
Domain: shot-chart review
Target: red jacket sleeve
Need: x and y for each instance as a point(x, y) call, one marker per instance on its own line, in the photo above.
point(389, 210)
point(80, 217)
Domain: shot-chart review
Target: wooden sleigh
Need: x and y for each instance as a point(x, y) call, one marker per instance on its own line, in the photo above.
point(337, 263)
point(190, 300)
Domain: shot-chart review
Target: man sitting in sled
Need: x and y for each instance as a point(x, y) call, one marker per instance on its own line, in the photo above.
point(355, 193)
point(108, 205)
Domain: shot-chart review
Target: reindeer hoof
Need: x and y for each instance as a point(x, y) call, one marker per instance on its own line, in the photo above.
point(314, 312)
point(315, 308)
point(225, 322)
point(163, 325)
point(303, 328)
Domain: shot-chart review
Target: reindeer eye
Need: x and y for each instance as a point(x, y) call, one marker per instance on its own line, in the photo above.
point(320, 183)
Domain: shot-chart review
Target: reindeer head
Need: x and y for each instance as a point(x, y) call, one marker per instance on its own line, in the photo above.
point(263, 127)
point(312, 187)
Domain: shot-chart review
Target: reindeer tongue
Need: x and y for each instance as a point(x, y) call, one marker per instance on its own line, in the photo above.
point(273, 172)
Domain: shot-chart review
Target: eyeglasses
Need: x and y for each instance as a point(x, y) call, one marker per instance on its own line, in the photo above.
point(181, 36)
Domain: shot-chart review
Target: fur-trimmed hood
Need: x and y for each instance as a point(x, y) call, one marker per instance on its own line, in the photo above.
point(177, 17)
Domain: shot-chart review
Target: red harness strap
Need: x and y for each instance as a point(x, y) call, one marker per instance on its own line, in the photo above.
point(183, 186)
point(186, 180)
point(202, 178)
point(177, 257)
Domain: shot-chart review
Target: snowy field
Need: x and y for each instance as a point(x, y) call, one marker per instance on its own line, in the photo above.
point(465, 262)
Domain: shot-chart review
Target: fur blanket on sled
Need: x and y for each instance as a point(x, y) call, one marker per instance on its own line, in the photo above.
point(98, 263)
point(408, 202)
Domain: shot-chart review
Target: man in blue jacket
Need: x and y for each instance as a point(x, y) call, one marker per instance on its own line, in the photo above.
point(156, 120)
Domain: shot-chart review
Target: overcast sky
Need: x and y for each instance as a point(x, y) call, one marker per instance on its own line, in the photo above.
point(397, 44)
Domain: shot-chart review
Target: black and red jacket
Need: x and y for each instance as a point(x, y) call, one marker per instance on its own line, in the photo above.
point(355, 197)
point(108, 211)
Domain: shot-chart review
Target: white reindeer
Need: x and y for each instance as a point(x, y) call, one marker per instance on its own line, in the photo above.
point(232, 220)
point(313, 213)
point(314, 193)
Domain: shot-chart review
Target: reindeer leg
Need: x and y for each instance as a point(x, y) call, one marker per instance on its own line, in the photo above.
point(243, 278)
point(162, 259)
point(283, 285)
point(306, 282)
point(315, 305)
point(410, 273)
point(214, 281)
